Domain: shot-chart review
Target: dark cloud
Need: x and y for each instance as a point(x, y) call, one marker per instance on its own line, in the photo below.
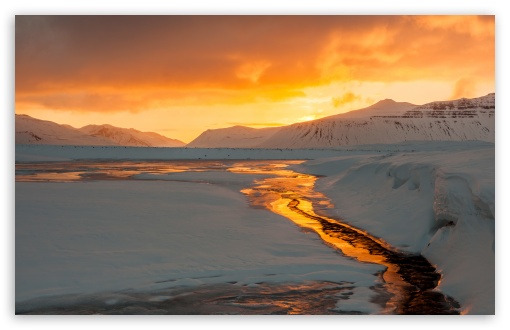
point(112, 58)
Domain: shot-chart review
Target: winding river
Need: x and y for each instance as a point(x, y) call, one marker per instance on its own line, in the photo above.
point(410, 281)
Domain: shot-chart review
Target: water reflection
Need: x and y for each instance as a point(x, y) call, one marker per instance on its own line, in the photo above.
point(410, 279)
point(105, 170)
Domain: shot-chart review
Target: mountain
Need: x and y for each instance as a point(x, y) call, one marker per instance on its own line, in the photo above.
point(392, 122)
point(130, 136)
point(30, 130)
point(233, 137)
point(385, 107)
point(386, 121)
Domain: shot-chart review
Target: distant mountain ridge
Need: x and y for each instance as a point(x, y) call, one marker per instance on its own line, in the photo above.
point(30, 130)
point(130, 136)
point(233, 137)
point(386, 121)
point(385, 107)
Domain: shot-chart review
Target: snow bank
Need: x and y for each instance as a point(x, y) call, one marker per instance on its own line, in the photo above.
point(438, 203)
point(92, 237)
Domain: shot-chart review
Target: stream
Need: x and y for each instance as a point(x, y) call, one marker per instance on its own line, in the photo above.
point(409, 281)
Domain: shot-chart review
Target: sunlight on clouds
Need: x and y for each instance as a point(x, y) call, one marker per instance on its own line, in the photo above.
point(252, 70)
point(198, 72)
point(464, 87)
point(474, 25)
point(307, 118)
point(344, 99)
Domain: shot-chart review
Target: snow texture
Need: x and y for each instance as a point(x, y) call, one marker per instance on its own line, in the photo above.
point(437, 203)
point(93, 237)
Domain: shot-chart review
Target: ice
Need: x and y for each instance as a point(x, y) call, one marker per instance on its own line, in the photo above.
point(93, 237)
point(359, 302)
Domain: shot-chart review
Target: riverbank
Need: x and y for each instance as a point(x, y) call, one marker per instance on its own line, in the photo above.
point(439, 204)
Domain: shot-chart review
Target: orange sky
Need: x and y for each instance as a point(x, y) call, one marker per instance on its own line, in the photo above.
point(181, 75)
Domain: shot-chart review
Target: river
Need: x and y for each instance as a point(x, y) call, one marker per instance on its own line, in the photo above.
point(409, 281)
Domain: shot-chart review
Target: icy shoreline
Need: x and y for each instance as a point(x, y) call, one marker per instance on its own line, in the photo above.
point(429, 197)
point(42, 153)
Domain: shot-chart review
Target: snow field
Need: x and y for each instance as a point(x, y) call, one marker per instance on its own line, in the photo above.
point(97, 237)
point(434, 198)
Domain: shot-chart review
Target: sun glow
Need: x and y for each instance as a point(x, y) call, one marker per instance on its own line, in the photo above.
point(182, 75)
point(307, 118)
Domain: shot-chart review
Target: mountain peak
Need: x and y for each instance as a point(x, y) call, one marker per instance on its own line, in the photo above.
point(386, 101)
point(384, 104)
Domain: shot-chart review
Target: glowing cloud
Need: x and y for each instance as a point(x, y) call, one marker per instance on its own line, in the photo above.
point(252, 70)
point(464, 87)
point(344, 99)
point(110, 66)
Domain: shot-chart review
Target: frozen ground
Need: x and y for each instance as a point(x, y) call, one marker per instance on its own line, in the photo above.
point(97, 237)
point(28, 153)
point(434, 198)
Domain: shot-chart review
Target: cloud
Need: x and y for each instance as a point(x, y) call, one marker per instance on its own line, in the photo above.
point(114, 63)
point(464, 87)
point(477, 26)
point(252, 70)
point(88, 102)
point(344, 99)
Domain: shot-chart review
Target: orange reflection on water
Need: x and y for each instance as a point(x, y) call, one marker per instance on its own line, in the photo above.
point(104, 170)
point(292, 195)
point(409, 278)
point(52, 176)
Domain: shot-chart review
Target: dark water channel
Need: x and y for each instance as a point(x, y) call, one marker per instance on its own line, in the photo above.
point(408, 283)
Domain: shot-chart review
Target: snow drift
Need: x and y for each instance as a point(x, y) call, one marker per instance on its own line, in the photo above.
point(439, 204)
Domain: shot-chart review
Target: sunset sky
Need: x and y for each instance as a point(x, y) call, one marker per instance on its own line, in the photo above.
point(181, 75)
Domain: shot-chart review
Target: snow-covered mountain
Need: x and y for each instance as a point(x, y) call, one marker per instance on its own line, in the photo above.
point(392, 122)
point(386, 121)
point(385, 107)
point(233, 137)
point(30, 130)
point(130, 136)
